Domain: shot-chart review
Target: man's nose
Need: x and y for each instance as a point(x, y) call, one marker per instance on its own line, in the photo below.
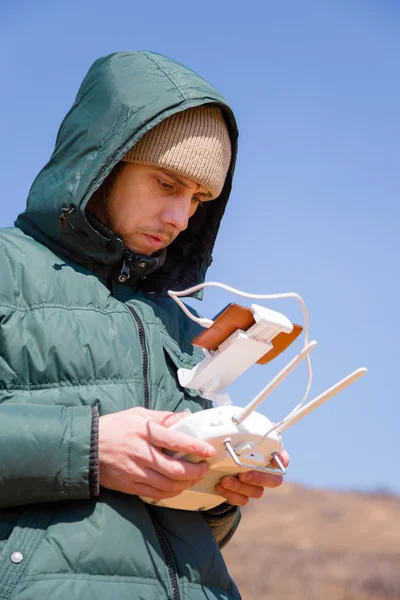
point(177, 213)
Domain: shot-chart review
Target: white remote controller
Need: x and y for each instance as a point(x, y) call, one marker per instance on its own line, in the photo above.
point(243, 438)
point(233, 443)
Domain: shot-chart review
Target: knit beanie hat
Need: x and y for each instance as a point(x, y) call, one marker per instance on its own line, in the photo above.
point(193, 143)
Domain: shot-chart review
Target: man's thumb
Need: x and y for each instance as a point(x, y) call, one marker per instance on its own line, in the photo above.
point(172, 418)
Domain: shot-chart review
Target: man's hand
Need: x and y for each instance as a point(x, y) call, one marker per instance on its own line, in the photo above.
point(131, 457)
point(238, 490)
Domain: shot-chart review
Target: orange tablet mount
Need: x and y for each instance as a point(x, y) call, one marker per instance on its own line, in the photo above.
point(240, 337)
point(236, 317)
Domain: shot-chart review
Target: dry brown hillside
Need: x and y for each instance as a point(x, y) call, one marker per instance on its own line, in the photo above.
point(303, 544)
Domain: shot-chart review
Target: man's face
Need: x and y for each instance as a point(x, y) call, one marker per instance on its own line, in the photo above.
point(148, 207)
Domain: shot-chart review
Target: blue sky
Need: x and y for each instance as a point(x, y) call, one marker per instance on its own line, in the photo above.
point(315, 204)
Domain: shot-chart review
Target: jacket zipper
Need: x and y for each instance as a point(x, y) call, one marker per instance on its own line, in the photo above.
point(168, 559)
point(142, 342)
point(164, 546)
point(124, 275)
point(125, 271)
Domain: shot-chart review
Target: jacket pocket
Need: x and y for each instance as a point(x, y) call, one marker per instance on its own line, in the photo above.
point(176, 359)
point(8, 520)
point(23, 538)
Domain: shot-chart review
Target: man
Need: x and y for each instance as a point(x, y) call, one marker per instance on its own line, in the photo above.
point(128, 206)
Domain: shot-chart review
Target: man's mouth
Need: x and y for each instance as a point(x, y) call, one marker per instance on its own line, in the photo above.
point(156, 241)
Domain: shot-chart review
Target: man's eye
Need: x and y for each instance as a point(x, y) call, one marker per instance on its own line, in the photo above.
point(197, 201)
point(165, 185)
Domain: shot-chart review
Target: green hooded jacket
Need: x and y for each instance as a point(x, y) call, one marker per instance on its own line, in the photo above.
point(73, 338)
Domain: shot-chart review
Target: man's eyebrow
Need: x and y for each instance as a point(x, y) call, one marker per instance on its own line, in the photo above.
point(185, 185)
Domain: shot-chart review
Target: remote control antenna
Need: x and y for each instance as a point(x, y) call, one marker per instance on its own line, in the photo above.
point(313, 404)
point(274, 383)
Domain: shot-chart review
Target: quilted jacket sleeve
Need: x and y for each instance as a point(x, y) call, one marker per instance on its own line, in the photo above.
point(223, 521)
point(45, 453)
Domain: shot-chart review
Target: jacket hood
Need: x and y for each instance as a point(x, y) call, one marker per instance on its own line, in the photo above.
point(122, 97)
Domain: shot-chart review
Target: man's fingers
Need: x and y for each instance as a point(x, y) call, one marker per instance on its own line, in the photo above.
point(163, 417)
point(179, 470)
point(264, 480)
point(284, 458)
point(232, 497)
point(162, 483)
point(143, 489)
point(172, 418)
point(233, 484)
point(158, 416)
point(178, 442)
